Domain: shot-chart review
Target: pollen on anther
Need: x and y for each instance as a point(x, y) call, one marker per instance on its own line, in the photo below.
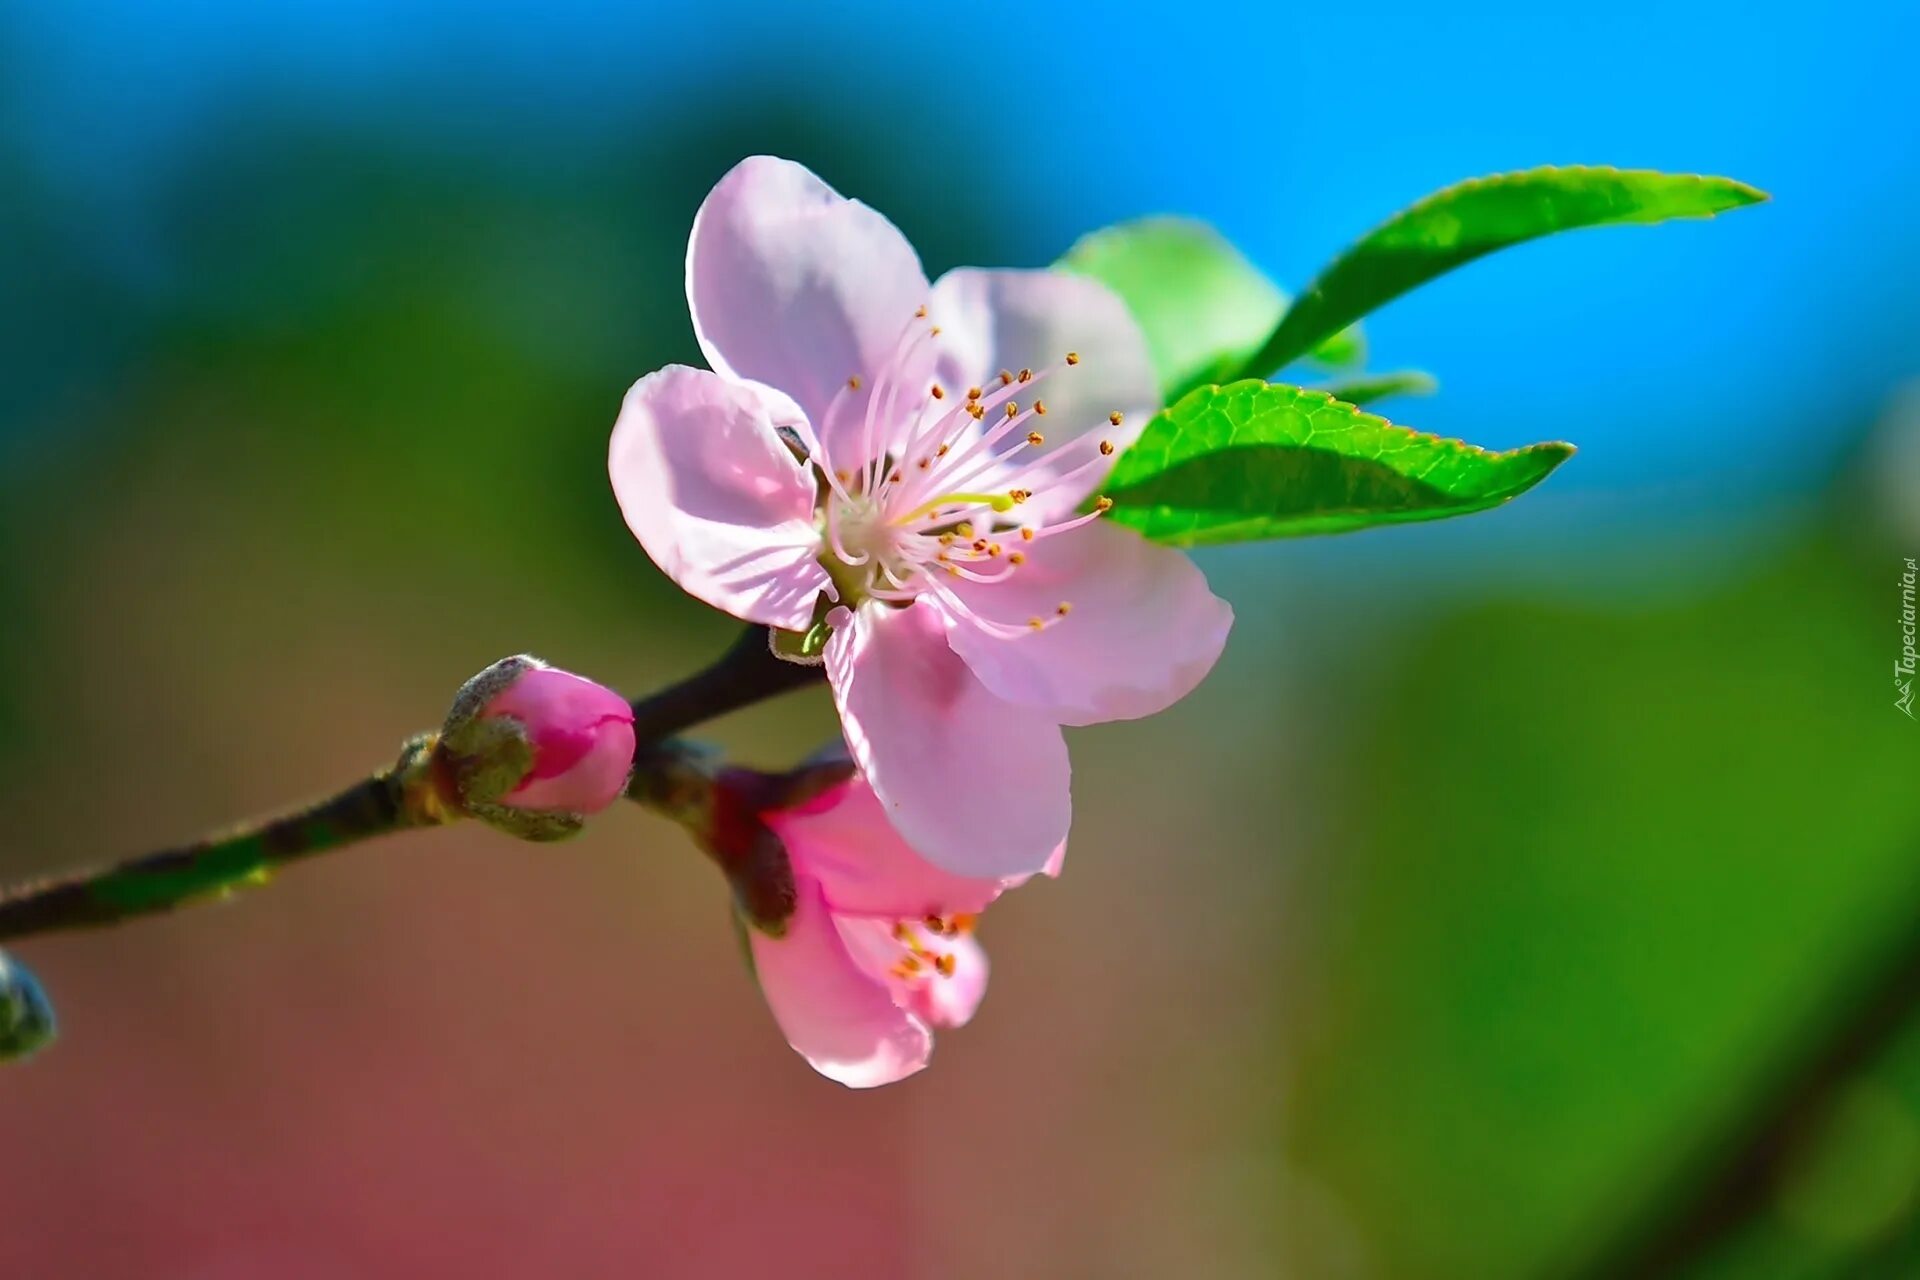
point(1115, 417)
point(1035, 439)
point(1019, 495)
point(896, 477)
point(946, 539)
point(1073, 357)
point(853, 383)
point(964, 529)
point(973, 393)
point(925, 463)
point(1018, 557)
point(963, 921)
point(1013, 408)
point(939, 393)
point(979, 544)
point(921, 314)
point(1036, 623)
point(1006, 377)
point(941, 452)
point(1064, 608)
point(1040, 407)
point(944, 965)
point(934, 332)
point(1026, 535)
point(1106, 448)
point(977, 410)
point(993, 548)
point(1026, 375)
point(1103, 504)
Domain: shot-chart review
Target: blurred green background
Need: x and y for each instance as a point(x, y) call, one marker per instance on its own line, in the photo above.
point(1497, 873)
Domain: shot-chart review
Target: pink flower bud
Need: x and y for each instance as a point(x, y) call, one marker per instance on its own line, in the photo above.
point(582, 739)
point(533, 750)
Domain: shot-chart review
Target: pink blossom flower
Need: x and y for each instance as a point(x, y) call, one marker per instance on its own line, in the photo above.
point(582, 739)
point(879, 950)
point(952, 436)
point(534, 749)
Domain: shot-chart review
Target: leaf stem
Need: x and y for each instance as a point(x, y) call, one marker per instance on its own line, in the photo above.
point(409, 794)
point(393, 799)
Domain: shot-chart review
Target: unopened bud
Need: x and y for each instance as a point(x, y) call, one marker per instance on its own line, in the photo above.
point(26, 1016)
point(533, 750)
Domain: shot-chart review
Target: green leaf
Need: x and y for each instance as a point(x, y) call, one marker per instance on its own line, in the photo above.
point(1476, 217)
point(1343, 350)
point(1367, 387)
point(1203, 307)
point(1263, 460)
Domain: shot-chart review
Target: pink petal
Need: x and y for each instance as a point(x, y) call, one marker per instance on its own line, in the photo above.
point(793, 285)
point(939, 1000)
point(977, 785)
point(714, 496)
point(843, 840)
point(835, 1015)
point(582, 736)
point(1143, 629)
point(994, 320)
point(950, 1001)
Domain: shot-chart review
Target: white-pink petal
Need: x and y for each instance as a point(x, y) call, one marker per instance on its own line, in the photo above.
point(994, 320)
point(1142, 628)
point(794, 285)
point(715, 497)
point(837, 1016)
point(843, 840)
point(976, 784)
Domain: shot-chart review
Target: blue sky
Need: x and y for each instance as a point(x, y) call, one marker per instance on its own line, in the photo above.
point(1699, 362)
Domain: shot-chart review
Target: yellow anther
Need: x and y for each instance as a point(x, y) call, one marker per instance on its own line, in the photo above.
point(1040, 407)
point(1019, 495)
point(1006, 377)
point(1064, 608)
point(963, 921)
point(1106, 448)
point(921, 314)
point(944, 965)
point(1035, 439)
point(973, 393)
point(1026, 375)
point(978, 411)
point(993, 548)
point(939, 393)
point(979, 544)
point(941, 452)
point(853, 383)
point(1036, 623)
point(1013, 408)
point(1026, 535)
point(1103, 504)
point(946, 539)
point(1073, 357)
point(964, 528)
point(934, 332)
point(1115, 417)
point(1018, 557)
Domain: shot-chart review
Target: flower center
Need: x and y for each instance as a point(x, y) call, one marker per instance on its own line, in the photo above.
point(947, 490)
